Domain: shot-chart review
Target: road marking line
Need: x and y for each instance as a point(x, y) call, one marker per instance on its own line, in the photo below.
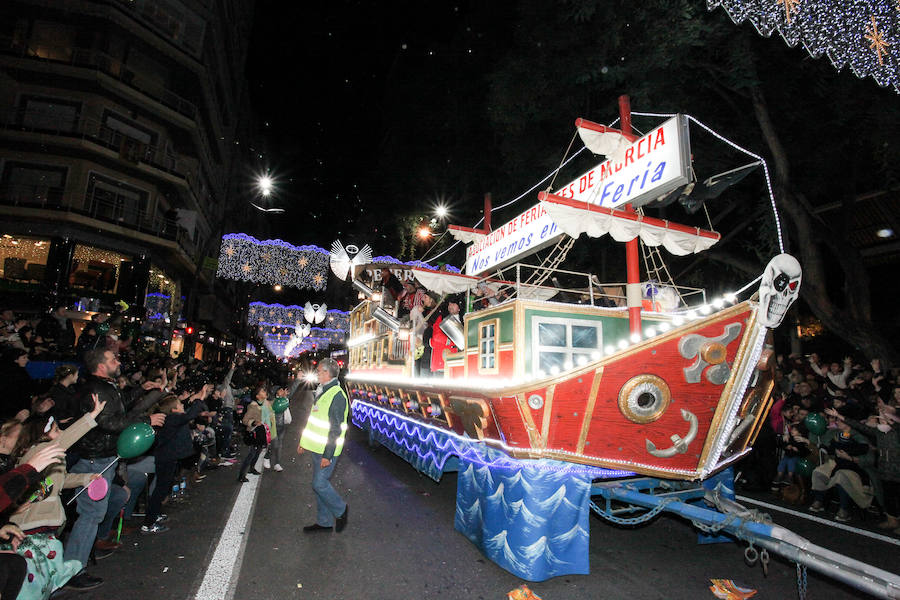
point(221, 574)
point(856, 530)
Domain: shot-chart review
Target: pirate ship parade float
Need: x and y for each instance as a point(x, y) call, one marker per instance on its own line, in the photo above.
point(551, 396)
point(675, 391)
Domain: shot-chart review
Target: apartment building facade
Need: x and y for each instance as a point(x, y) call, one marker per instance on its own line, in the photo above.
point(120, 150)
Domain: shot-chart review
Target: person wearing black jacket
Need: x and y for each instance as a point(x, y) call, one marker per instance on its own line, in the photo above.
point(66, 407)
point(97, 450)
point(18, 385)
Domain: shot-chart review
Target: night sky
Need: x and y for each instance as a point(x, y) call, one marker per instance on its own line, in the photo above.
point(357, 100)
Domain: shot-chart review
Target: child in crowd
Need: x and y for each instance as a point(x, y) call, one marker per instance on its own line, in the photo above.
point(173, 443)
point(278, 421)
point(256, 437)
point(795, 446)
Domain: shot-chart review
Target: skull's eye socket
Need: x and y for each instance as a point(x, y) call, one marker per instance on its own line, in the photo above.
point(794, 285)
point(781, 282)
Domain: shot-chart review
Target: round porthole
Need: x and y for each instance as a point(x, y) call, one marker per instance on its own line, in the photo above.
point(644, 398)
point(535, 401)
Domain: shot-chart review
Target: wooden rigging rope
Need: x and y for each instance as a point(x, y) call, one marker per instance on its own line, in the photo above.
point(551, 261)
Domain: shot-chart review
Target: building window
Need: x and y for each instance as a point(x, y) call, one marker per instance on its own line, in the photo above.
point(96, 269)
point(29, 183)
point(174, 20)
point(559, 344)
point(114, 201)
point(135, 143)
point(487, 346)
point(52, 41)
point(23, 259)
point(48, 114)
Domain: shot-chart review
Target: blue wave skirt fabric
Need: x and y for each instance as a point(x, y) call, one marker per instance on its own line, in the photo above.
point(531, 519)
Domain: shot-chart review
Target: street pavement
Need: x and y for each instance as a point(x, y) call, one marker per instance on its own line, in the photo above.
point(400, 544)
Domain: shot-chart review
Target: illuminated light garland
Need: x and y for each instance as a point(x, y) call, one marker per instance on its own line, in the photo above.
point(334, 336)
point(430, 447)
point(160, 282)
point(245, 258)
point(864, 35)
point(33, 250)
point(85, 254)
point(292, 314)
point(413, 263)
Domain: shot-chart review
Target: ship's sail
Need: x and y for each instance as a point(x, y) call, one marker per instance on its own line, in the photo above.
point(575, 217)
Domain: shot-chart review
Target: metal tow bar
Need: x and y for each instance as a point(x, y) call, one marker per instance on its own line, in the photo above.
point(732, 518)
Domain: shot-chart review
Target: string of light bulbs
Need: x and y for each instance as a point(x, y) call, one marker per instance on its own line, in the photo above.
point(863, 34)
point(276, 262)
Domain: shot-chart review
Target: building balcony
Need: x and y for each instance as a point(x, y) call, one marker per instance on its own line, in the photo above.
point(118, 216)
point(100, 62)
point(91, 130)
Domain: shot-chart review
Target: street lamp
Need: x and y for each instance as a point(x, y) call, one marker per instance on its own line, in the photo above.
point(264, 183)
point(265, 186)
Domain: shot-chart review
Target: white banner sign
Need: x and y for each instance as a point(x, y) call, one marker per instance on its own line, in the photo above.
point(652, 166)
point(530, 231)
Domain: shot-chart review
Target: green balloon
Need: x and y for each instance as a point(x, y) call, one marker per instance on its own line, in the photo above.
point(805, 467)
point(280, 405)
point(815, 423)
point(135, 440)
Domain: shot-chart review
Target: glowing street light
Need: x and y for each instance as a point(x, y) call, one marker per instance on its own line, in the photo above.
point(265, 185)
point(424, 233)
point(441, 211)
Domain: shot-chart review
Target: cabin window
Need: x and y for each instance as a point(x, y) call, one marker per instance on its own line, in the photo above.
point(560, 344)
point(487, 346)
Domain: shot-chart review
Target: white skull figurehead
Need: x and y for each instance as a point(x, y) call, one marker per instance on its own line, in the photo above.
point(779, 288)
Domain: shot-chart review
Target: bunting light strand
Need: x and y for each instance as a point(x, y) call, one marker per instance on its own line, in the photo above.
point(379, 260)
point(292, 314)
point(864, 34)
point(335, 337)
point(276, 262)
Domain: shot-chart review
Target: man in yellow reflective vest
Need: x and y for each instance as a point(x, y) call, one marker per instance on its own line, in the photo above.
point(323, 437)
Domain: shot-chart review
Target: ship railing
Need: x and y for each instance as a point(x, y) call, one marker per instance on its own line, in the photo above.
point(533, 282)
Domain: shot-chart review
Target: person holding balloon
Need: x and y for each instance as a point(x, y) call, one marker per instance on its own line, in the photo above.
point(96, 450)
point(14, 485)
point(43, 512)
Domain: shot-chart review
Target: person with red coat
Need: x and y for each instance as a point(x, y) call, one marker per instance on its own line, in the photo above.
point(439, 340)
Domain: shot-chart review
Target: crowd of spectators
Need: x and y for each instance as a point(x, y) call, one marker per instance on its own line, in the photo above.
point(58, 436)
point(832, 441)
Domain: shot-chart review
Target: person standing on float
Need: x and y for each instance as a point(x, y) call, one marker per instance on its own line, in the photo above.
point(323, 437)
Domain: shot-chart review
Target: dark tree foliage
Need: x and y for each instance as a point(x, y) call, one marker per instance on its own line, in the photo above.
point(827, 136)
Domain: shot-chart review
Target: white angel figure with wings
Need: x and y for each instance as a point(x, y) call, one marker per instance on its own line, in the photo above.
point(300, 331)
point(315, 313)
point(344, 261)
